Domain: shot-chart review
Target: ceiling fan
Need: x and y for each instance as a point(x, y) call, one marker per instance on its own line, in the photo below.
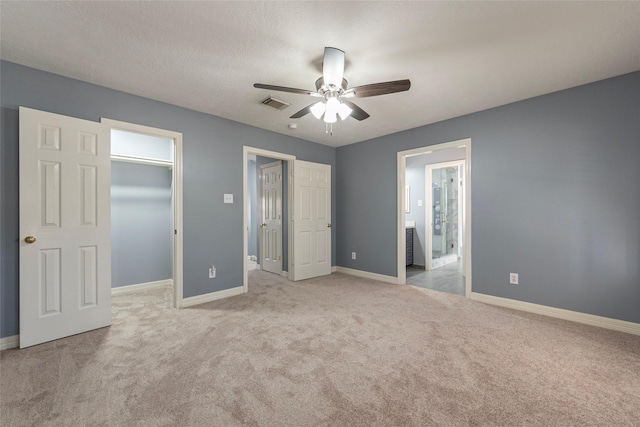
point(332, 87)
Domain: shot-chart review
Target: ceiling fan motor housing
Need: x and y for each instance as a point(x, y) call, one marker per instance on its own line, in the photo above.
point(328, 91)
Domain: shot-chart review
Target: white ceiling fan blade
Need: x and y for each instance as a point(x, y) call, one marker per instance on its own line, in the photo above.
point(333, 66)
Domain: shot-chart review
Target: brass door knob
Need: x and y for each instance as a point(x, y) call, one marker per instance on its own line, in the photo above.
point(328, 225)
point(30, 239)
point(263, 225)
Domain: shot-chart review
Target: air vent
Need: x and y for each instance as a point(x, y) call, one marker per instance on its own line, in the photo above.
point(275, 103)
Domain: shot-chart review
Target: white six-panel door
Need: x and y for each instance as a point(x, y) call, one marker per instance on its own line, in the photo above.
point(65, 269)
point(312, 220)
point(271, 225)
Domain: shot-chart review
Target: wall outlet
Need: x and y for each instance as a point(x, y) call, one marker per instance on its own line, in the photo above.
point(513, 278)
point(228, 198)
point(353, 255)
point(212, 272)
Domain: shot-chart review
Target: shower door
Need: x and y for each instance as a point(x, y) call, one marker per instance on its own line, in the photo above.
point(444, 213)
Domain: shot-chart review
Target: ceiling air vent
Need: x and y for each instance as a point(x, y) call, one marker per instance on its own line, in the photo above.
point(275, 103)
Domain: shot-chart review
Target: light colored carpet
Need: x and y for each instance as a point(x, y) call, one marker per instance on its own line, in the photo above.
point(333, 351)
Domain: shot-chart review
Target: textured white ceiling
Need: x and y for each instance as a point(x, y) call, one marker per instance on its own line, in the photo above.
point(461, 57)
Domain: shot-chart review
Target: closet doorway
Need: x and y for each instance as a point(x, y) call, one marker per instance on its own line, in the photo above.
point(146, 212)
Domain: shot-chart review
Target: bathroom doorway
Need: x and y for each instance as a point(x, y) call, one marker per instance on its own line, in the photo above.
point(434, 211)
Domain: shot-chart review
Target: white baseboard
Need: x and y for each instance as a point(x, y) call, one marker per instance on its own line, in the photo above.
point(559, 313)
point(334, 268)
point(285, 274)
point(367, 275)
point(141, 286)
point(9, 342)
point(212, 296)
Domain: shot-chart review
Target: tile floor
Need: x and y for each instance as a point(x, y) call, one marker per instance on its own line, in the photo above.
point(447, 278)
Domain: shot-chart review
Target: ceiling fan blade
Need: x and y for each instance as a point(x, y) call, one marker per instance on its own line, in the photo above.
point(333, 66)
point(306, 110)
point(357, 113)
point(381, 88)
point(284, 89)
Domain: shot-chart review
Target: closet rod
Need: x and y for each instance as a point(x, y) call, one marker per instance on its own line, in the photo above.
point(142, 160)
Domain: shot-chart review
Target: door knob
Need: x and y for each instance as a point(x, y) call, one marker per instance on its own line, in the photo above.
point(263, 225)
point(30, 239)
point(328, 225)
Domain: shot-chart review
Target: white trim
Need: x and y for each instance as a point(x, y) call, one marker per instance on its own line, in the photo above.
point(334, 268)
point(142, 160)
point(366, 274)
point(141, 286)
point(285, 274)
point(559, 313)
point(212, 296)
point(7, 343)
point(400, 214)
point(177, 195)
point(246, 151)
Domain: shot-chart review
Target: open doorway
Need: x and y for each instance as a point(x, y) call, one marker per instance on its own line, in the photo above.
point(267, 195)
point(146, 208)
point(434, 212)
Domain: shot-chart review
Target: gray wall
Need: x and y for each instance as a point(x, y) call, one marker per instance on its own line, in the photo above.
point(416, 180)
point(141, 224)
point(212, 151)
point(555, 198)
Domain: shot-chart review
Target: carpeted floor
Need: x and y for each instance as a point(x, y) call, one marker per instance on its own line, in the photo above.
point(333, 351)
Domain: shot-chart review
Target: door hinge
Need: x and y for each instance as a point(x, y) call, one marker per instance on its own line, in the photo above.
point(175, 231)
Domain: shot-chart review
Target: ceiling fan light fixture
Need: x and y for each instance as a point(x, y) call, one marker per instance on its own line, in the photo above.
point(332, 105)
point(344, 111)
point(317, 109)
point(334, 90)
point(330, 117)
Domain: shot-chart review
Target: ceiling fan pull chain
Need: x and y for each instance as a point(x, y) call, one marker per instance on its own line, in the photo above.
point(328, 128)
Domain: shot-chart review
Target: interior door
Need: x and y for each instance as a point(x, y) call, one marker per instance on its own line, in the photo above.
point(312, 220)
point(65, 271)
point(271, 225)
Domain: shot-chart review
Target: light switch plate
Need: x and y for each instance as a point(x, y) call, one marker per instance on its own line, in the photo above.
point(228, 198)
point(419, 202)
point(514, 279)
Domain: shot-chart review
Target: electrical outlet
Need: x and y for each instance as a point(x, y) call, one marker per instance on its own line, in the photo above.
point(212, 272)
point(513, 278)
point(228, 198)
point(353, 255)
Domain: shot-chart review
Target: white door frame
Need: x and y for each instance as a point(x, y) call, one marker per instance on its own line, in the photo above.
point(246, 151)
point(177, 194)
point(260, 213)
point(428, 212)
point(401, 233)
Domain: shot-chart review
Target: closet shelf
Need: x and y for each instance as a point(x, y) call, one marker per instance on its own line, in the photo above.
point(142, 160)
